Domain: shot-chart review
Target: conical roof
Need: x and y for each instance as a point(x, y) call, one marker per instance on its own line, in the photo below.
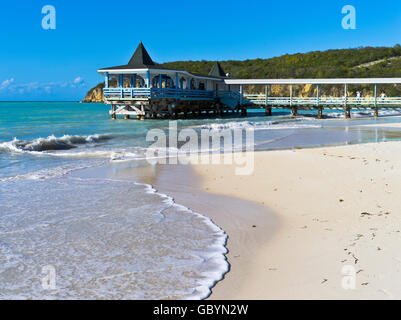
point(141, 58)
point(217, 71)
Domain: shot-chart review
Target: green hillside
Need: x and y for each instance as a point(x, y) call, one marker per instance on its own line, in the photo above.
point(316, 64)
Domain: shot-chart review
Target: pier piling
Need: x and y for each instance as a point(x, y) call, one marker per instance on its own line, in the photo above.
point(113, 112)
point(320, 113)
point(348, 113)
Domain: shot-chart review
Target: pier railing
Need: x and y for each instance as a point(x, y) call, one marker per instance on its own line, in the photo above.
point(233, 99)
point(321, 101)
point(163, 93)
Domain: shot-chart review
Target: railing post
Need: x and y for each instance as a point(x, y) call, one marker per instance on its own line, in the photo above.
point(266, 95)
point(147, 84)
point(376, 112)
point(291, 95)
point(133, 81)
point(241, 91)
point(106, 80)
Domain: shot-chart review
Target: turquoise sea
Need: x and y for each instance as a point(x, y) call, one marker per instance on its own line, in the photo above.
point(113, 238)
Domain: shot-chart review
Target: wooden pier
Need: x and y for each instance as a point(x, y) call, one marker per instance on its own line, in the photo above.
point(147, 90)
point(319, 103)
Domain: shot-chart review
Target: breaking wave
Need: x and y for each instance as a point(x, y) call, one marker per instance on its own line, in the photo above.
point(50, 143)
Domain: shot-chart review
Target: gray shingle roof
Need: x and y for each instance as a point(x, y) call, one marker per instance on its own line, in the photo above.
point(141, 58)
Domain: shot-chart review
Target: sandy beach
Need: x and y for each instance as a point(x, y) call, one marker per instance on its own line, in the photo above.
point(300, 218)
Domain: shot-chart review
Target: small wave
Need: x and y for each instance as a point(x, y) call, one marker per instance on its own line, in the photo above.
point(44, 174)
point(50, 143)
point(366, 113)
point(262, 125)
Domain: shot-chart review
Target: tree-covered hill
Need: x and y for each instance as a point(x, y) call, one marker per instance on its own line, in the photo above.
point(317, 64)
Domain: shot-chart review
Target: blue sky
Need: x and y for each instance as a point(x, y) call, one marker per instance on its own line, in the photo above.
point(61, 64)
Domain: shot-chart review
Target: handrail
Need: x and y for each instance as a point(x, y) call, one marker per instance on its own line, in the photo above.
point(256, 99)
point(158, 93)
point(322, 101)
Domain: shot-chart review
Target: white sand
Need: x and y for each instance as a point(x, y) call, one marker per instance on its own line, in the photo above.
point(319, 196)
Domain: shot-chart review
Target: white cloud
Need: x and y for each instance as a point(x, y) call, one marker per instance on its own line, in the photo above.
point(6, 83)
point(11, 86)
point(78, 80)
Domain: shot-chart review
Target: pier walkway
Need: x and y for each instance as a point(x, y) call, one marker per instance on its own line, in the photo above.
point(319, 102)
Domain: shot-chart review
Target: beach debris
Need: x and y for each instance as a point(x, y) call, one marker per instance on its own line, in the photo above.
point(304, 227)
point(341, 200)
point(324, 281)
point(344, 261)
point(359, 271)
point(379, 249)
point(365, 283)
point(273, 269)
point(253, 226)
point(363, 214)
point(355, 258)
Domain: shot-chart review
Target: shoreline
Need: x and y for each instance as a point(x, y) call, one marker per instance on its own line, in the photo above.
point(341, 211)
point(246, 234)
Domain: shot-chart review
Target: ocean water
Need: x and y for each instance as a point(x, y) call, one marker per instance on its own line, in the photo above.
point(113, 238)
